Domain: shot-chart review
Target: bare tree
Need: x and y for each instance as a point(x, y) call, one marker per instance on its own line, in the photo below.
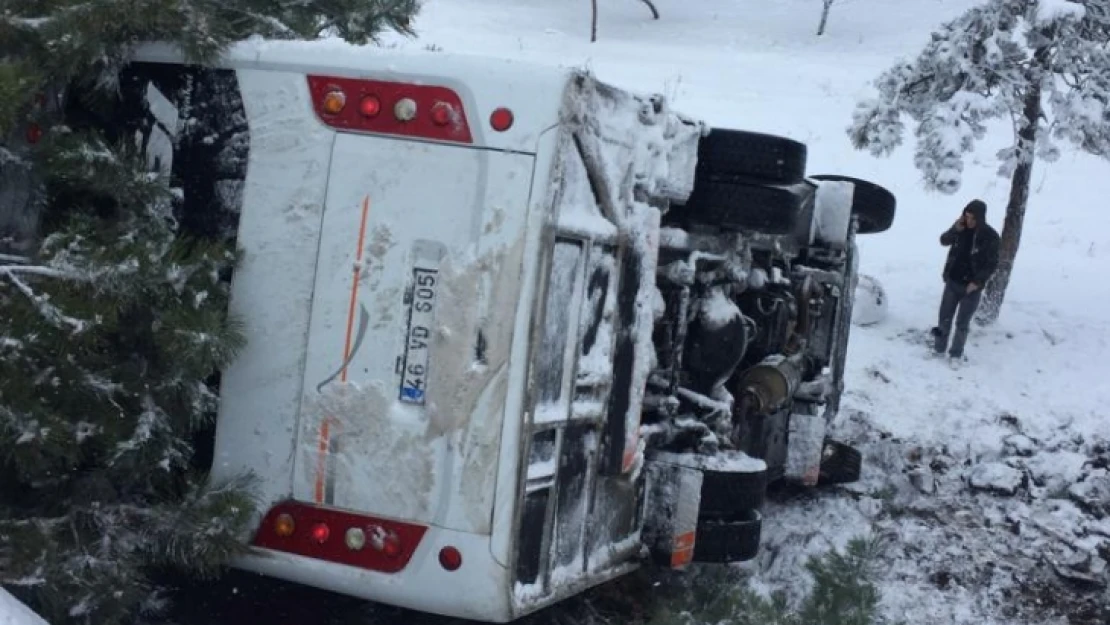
point(593, 16)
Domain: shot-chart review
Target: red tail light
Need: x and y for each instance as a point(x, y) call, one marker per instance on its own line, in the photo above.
point(367, 542)
point(501, 119)
point(443, 114)
point(370, 106)
point(391, 108)
point(320, 533)
point(450, 558)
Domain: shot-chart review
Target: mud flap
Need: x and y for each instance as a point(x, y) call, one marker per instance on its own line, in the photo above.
point(671, 515)
point(805, 441)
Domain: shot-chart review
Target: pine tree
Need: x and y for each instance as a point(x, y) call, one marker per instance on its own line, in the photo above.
point(113, 314)
point(1041, 65)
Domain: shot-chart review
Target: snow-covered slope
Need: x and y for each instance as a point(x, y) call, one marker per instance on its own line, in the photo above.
point(1031, 403)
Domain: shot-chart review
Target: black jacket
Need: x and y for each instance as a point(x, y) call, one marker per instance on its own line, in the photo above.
point(984, 252)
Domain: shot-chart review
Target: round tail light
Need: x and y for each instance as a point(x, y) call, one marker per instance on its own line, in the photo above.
point(391, 546)
point(442, 114)
point(450, 558)
point(355, 539)
point(334, 101)
point(405, 109)
point(320, 533)
point(284, 525)
point(501, 119)
point(370, 106)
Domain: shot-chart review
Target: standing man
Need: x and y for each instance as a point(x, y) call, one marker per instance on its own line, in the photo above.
point(972, 258)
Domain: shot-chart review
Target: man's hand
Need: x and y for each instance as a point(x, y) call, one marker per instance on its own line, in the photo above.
point(972, 287)
point(959, 226)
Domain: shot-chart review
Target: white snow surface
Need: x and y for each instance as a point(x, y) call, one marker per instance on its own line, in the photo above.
point(870, 306)
point(12, 612)
point(1052, 10)
point(1033, 395)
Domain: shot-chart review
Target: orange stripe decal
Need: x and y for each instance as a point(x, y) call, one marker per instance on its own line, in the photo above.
point(354, 286)
point(325, 426)
point(322, 459)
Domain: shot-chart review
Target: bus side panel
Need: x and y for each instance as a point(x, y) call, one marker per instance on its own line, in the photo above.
point(279, 232)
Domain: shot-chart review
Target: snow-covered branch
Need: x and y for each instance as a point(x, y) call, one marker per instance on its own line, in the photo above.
point(38, 270)
point(45, 308)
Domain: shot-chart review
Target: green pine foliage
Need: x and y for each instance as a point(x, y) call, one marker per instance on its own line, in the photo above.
point(114, 323)
point(844, 592)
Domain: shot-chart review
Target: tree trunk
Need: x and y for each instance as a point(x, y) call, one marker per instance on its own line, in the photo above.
point(1015, 209)
point(593, 16)
point(593, 21)
point(826, 7)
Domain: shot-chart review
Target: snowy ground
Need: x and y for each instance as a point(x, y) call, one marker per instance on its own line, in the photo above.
point(1029, 406)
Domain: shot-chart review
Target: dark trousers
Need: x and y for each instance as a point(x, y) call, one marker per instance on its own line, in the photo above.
point(959, 304)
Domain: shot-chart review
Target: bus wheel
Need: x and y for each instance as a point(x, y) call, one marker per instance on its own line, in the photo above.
point(724, 492)
point(873, 204)
point(748, 205)
point(728, 538)
point(770, 158)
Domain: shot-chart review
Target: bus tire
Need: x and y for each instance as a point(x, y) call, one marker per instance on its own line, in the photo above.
point(751, 154)
point(747, 205)
point(874, 205)
point(729, 538)
point(724, 493)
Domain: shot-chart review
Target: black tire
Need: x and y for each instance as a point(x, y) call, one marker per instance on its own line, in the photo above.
point(840, 464)
point(752, 155)
point(748, 205)
point(725, 493)
point(728, 539)
point(874, 205)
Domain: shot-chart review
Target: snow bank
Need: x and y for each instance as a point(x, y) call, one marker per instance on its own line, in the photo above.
point(1049, 11)
point(996, 477)
point(870, 306)
point(12, 612)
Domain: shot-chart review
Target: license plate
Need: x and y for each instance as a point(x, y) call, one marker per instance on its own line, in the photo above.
point(414, 372)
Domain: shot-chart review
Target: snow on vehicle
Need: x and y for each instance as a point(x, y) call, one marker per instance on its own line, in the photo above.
point(512, 331)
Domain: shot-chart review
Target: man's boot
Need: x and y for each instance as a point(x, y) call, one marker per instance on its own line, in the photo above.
point(940, 342)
